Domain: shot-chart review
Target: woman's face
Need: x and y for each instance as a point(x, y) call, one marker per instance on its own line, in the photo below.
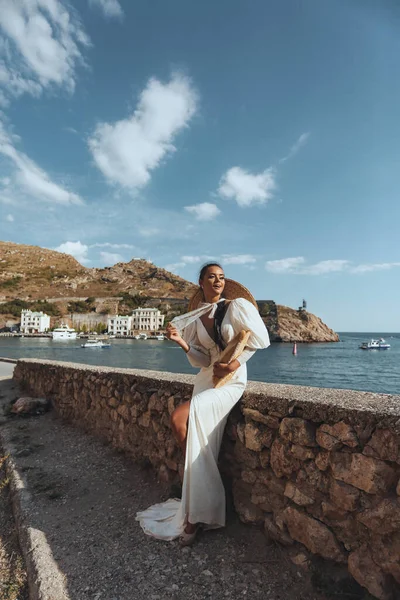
point(213, 282)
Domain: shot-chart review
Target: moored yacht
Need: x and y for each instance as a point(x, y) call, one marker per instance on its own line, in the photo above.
point(375, 345)
point(92, 343)
point(64, 333)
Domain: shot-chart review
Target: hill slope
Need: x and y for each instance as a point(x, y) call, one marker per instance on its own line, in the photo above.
point(34, 273)
point(38, 273)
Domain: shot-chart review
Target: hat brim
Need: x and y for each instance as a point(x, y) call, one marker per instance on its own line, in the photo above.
point(233, 289)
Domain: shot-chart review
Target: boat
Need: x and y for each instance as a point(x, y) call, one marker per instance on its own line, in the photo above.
point(95, 344)
point(64, 333)
point(375, 345)
point(141, 336)
point(159, 337)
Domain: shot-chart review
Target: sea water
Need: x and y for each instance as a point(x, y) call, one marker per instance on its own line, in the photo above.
point(335, 365)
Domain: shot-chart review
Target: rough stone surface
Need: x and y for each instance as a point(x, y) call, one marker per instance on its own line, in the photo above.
point(364, 570)
point(368, 474)
point(27, 405)
point(283, 463)
point(297, 496)
point(315, 536)
point(384, 444)
point(387, 554)
point(383, 518)
point(297, 431)
point(344, 496)
point(332, 437)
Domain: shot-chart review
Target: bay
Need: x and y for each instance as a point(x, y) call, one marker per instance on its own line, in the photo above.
point(337, 365)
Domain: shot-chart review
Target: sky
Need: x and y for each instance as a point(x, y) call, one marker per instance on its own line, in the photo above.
point(262, 134)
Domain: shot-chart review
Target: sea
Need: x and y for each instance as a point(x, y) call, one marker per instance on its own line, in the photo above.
point(335, 365)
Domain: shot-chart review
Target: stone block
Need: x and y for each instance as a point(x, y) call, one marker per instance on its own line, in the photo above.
point(124, 412)
point(260, 495)
point(273, 483)
point(386, 552)
point(369, 474)
point(384, 444)
point(246, 457)
point(247, 511)
point(265, 456)
point(301, 452)
point(257, 437)
point(296, 495)
point(322, 460)
point(343, 495)
point(145, 419)
point(383, 518)
point(249, 476)
point(368, 574)
point(283, 463)
point(311, 477)
point(313, 534)
point(255, 415)
point(298, 431)
point(273, 531)
point(332, 437)
point(332, 512)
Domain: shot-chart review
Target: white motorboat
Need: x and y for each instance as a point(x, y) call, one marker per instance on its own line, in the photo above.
point(64, 333)
point(160, 337)
point(375, 345)
point(141, 336)
point(95, 344)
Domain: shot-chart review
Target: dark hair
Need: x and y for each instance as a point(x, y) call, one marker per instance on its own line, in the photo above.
point(204, 268)
point(221, 309)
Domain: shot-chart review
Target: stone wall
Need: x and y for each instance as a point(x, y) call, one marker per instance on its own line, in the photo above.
point(319, 469)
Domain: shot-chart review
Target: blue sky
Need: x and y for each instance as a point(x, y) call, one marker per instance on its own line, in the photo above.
point(264, 134)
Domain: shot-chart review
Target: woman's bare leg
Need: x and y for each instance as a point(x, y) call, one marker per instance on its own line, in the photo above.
point(179, 424)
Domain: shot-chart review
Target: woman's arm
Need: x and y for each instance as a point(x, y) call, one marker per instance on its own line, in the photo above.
point(196, 357)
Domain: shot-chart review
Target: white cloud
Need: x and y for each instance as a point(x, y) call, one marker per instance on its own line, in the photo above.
point(296, 147)
point(114, 246)
point(10, 218)
point(284, 265)
point(204, 211)
point(175, 267)
point(75, 249)
point(27, 178)
point(374, 267)
point(127, 151)
point(298, 266)
point(239, 259)
point(192, 260)
point(110, 8)
point(110, 258)
point(41, 46)
point(248, 188)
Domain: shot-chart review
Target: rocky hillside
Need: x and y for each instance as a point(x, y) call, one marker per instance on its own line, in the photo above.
point(38, 273)
point(31, 273)
point(300, 326)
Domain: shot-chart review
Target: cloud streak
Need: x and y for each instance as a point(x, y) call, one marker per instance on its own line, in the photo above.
point(298, 266)
point(26, 179)
point(296, 147)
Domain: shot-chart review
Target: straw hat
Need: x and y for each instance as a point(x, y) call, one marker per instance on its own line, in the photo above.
point(232, 290)
point(232, 352)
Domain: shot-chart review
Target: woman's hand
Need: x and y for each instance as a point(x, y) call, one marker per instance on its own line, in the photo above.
point(173, 334)
point(222, 369)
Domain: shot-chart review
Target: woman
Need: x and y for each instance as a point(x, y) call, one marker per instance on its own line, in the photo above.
point(199, 424)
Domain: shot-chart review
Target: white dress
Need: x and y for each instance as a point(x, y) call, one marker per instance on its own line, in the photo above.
point(203, 494)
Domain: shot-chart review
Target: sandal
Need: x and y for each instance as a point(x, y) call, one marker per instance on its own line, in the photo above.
point(187, 539)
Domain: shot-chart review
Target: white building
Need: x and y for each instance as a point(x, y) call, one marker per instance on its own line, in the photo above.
point(34, 322)
point(117, 325)
point(147, 319)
